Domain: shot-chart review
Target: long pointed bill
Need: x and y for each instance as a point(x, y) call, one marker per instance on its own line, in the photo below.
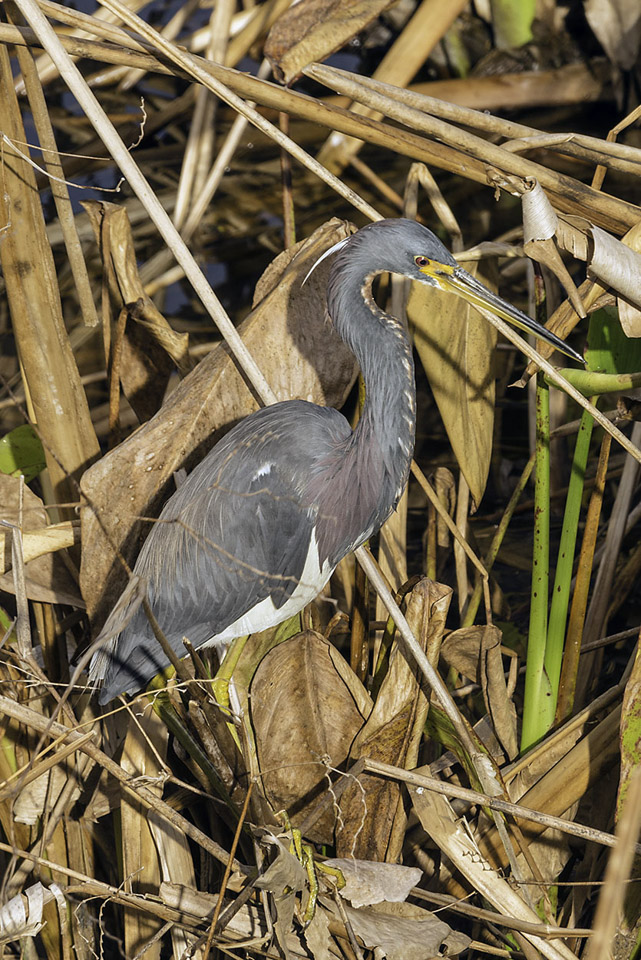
point(459, 281)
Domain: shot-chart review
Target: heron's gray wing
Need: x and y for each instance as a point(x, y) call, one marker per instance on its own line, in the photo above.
point(235, 535)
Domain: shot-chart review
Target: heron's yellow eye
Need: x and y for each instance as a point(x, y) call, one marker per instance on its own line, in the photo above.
point(421, 261)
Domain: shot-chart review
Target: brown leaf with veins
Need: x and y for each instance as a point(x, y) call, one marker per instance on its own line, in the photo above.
point(304, 718)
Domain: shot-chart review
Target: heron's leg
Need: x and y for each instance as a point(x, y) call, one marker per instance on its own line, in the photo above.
point(222, 680)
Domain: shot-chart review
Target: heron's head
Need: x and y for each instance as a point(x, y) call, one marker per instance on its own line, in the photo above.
point(411, 250)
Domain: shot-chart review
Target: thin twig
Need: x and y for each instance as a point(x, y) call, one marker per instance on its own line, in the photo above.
point(494, 803)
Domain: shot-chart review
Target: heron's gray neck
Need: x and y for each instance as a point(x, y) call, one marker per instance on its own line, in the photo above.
point(381, 345)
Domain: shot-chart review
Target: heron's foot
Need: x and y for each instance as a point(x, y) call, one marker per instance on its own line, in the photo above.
point(332, 872)
point(304, 853)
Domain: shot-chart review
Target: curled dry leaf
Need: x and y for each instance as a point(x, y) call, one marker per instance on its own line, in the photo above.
point(456, 347)
point(476, 653)
point(285, 872)
point(284, 878)
point(22, 915)
point(497, 702)
point(461, 651)
point(613, 262)
point(304, 719)
point(312, 29)
point(113, 232)
point(617, 264)
point(301, 357)
point(150, 347)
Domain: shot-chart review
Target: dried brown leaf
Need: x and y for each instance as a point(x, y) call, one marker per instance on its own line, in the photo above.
point(494, 687)
point(476, 653)
point(312, 29)
point(461, 650)
point(304, 718)
point(368, 882)
point(404, 931)
point(150, 346)
point(284, 878)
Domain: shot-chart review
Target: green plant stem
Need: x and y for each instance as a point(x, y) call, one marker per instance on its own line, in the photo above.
point(563, 575)
point(592, 383)
point(537, 685)
point(576, 622)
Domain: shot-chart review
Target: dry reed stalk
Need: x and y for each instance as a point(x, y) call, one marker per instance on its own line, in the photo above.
point(55, 396)
point(610, 213)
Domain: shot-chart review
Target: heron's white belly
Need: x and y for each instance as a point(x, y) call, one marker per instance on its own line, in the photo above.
point(265, 614)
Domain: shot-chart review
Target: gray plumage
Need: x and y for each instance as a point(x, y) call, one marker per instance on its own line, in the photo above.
point(257, 528)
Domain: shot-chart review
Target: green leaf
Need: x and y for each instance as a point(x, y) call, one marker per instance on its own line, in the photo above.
point(609, 349)
point(5, 620)
point(21, 452)
point(512, 22)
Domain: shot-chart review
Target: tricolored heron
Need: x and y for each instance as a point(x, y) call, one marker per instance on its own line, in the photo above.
point(258, 527)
